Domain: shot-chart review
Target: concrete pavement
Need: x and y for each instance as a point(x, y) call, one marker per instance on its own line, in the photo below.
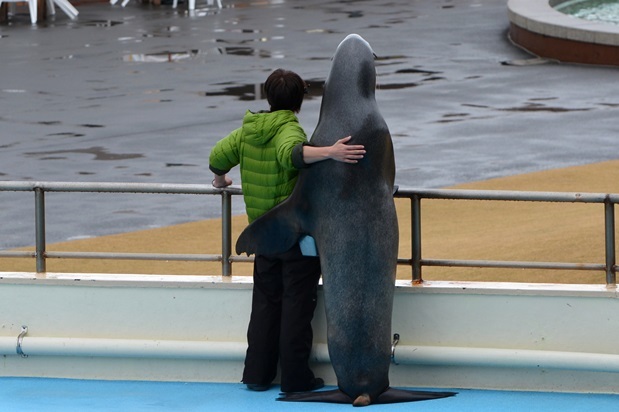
point(141, 93)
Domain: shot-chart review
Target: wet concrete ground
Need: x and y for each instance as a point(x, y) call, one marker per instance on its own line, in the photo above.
point(140, 94)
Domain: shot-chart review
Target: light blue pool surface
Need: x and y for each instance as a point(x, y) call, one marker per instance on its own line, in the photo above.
point(65, 395)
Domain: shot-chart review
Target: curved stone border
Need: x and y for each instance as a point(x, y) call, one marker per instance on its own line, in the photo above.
point(546, 32)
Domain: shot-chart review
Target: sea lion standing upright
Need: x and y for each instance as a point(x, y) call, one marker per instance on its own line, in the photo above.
point(350, 212)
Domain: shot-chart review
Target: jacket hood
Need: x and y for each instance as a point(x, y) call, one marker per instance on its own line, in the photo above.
point(259, 128)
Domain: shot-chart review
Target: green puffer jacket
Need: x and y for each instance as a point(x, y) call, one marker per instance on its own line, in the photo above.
point(269, 149)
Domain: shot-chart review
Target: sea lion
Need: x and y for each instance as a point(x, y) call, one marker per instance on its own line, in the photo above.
point(350, 212)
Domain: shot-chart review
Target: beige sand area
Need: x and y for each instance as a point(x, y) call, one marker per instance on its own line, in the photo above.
point(562, 232)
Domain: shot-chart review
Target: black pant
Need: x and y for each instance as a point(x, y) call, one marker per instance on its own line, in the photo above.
point(283, 303)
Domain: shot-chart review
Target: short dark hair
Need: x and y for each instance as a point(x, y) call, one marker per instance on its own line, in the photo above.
point(284, 90)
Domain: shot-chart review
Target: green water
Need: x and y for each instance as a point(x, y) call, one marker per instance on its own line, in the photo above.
point(595, 10)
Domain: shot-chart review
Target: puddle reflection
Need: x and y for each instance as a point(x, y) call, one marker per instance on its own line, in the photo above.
point(98, 152)
point(255, 91)
point(250, 31)
point(320, 31)
point(176, 56)
point(67, 57)
point(66, 134)
point(163, 57)
point(248, 92)
point(102, 23)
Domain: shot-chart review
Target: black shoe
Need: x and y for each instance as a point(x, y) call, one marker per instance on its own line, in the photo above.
point(315, 384)
point(257, 387)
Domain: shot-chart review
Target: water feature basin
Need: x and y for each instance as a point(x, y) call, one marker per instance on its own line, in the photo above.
point(538, 27)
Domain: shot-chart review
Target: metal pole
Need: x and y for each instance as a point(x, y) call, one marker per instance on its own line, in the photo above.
point(609, 220)
point(39, 216)
point(226, 233)
point(416, 237)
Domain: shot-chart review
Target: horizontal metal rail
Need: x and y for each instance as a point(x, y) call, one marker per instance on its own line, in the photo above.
point(112, 187)
point(135, 256)
point(40, 188)
point(415, 195)
point(507, 195)
point(506, 264)
point(608, 200)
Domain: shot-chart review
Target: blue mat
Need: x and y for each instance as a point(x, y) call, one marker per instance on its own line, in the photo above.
point(65, 395)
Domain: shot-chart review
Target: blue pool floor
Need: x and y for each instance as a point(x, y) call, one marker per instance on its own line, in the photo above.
point(65, 395)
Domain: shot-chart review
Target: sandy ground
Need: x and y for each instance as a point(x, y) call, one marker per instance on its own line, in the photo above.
point(97, 99)
point(451, 230)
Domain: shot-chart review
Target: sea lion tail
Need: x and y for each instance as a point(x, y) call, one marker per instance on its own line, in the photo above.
point(273, 233)
point(392, 395)
point(332, 396)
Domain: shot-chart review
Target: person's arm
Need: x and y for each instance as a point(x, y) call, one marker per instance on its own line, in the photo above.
point(221, 181)
point(223, 157)
point(340, 151)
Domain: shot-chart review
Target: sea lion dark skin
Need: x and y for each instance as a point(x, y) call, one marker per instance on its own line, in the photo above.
point(350, 212)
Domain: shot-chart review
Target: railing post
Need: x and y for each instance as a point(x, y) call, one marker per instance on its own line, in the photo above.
point(226, 233)
point(609, 223)
point(39, 223)
point(416, 238)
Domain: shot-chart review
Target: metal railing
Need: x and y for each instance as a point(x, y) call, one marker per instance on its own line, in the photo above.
point(226, 258)
point(608, 200)
point(41, 188)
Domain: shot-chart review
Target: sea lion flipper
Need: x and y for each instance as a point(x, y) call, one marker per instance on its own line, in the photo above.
point(392, 395)
point(273, 233)
point(332, 396)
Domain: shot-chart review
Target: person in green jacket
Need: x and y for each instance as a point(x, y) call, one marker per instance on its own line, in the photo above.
point(270, 147)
